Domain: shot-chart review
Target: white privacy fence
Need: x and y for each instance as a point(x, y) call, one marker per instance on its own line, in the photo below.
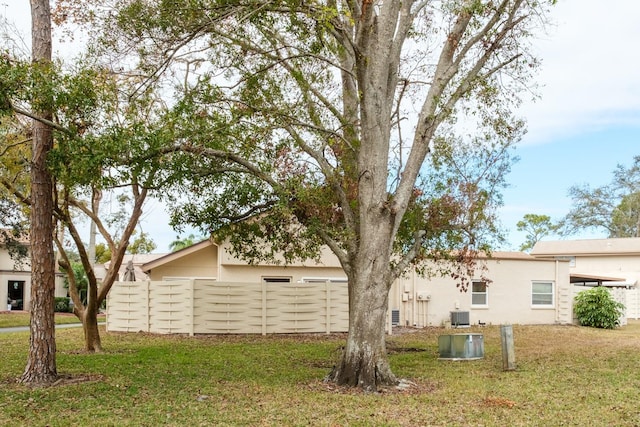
point(633, 303)
point(201, 306)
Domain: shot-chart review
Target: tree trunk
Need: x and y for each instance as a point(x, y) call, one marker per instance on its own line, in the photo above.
point(41, 362)
point(364, 362)
point(92, 342)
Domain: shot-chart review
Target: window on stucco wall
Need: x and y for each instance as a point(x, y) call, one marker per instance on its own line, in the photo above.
point(479, 294)
point(542, 294)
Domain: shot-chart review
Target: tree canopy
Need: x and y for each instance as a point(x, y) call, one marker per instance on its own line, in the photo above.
point(101, 136)
point(380, 129)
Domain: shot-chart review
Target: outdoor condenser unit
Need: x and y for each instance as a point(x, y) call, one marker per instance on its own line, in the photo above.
point(395, 317)
point(460, 319)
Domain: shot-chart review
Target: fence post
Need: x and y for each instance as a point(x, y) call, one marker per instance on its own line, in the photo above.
point(327, 285)
point(148, 292)
point(264, 307)
point(192, 304)
point(508, 350)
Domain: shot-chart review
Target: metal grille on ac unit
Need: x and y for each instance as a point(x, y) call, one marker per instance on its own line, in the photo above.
point(459, 318)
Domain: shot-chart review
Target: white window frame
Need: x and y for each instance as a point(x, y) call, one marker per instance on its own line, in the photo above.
point(323, 279)
point(485, 293)
point(552, 293)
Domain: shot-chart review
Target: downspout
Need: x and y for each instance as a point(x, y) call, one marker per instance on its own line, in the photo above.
point(557, 290)
point(413, 298)
point(218, 260)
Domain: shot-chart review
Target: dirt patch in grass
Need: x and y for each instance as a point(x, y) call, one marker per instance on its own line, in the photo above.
point(69, 379)
point(497, 402)
point(405, 387)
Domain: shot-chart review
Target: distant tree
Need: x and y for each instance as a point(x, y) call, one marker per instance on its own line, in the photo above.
point(103, 254)
point(614, 207)
point(80, 277)
point(536, 227)
point(185, 242)
point(625, 218)
point(142, 244)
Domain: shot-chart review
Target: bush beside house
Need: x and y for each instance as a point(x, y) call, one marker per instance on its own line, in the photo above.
point(598, 309)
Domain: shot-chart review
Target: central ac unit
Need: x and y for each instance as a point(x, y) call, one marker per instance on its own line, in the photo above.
point(395, 317)
point(460, 319)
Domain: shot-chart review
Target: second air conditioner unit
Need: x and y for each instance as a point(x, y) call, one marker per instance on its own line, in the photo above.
point(460, 319)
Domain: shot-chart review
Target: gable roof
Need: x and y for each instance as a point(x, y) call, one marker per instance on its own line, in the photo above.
point(588, 247)
point(176, 255)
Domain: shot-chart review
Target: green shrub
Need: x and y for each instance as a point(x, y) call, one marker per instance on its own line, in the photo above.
point(62, 305)
point(597, 308)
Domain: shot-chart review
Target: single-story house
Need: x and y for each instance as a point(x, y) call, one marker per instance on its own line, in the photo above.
point(536, 288)
point(520, 288)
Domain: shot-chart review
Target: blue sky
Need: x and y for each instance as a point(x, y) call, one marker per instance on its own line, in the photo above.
point(586, 122)
point(588, 118)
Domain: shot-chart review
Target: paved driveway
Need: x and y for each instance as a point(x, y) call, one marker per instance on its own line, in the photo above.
point(26, 328)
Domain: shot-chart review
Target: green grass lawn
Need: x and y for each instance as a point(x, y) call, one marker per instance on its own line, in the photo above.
point(565, 375)
point(9, 319)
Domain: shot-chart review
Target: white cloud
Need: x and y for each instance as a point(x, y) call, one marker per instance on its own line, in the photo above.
point(590, 69)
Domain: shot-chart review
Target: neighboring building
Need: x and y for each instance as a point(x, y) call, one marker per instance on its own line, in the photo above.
point(614, 263)
point(592, 262)
point(15, 282)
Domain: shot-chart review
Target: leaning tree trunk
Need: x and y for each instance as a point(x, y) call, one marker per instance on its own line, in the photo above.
point(41, 362)
point(92, 342)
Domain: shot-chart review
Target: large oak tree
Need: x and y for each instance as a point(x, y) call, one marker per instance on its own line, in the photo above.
point(378, 128)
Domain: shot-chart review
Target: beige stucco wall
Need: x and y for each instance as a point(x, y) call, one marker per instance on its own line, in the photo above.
point(327, 259)
point(509, 296)
point(6, 263)
point(234, 269)
point(202, 264)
